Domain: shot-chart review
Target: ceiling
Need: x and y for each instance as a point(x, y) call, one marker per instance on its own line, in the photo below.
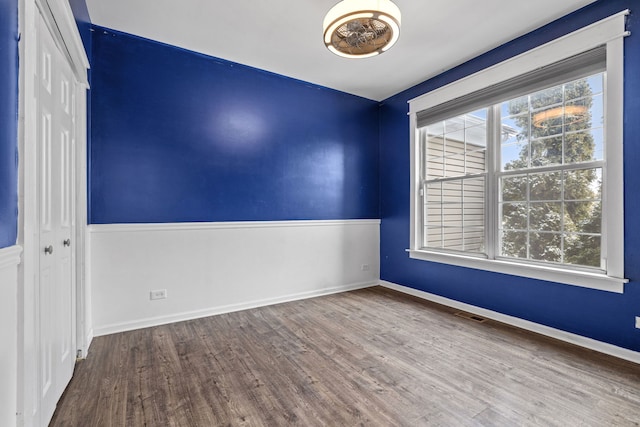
point(285, 36)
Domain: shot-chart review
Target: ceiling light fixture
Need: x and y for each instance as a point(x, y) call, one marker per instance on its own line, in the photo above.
point(361, 28)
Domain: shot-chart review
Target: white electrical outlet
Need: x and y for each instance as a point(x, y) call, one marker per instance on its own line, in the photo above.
point(364, 267)
point(158, 294)
point(638, 322)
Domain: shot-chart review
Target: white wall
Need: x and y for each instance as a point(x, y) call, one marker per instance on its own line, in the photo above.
point(211, 268)
point(9, 261)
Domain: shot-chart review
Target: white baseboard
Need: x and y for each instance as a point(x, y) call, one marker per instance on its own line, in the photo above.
point(87, 346)
point(179, 317)
point(599, 346)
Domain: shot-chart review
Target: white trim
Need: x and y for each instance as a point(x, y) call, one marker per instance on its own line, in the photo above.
point(609, 31)
point(569, 45)
point(179, 317)
point(28, 405)
point(61, 21)
point(589, 343)
point(613, 193)
point(583, 279)
point(83, 350)
point(182, 226)
point(9, 262)
point(83, 287)
point(10, 256)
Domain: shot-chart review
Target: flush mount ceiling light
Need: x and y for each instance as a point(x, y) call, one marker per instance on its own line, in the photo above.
point(361, 28)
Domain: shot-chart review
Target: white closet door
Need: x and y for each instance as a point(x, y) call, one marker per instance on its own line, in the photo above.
point(56, 355)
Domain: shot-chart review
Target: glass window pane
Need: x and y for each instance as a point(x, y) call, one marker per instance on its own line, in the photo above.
point(545, 186)
point(474, 191)
point(544, 98)
point(452, 192)
point(474, 215)
point(515, 106)
point(476, 161)
point(546, 151)
point(433, 215)
point(433, 237)
point(588, 86)
point(514, 188)
point(452, 238)
point(597, 111)
point(547, 121)
point(435, 168)
point(515, 156)
point(554, 216)
point(476, 136)
point(514, 216)
point(577, 114)
point(457, 146)
point(596, 83)
point(434, 192)
point(583, 184)
point(435, 146)
point(454, 124)
point(583, 217)
point(582, 249)
point(514, 128)
point(584, 146)
point(598, 141)
point(545, 247)
point(454, 165)
point(436, 129)
point(514, 244)
point(478, 116)
point(474, 239)
point(452, 215)
point(515, 134)
point(454, 141)
point(545, 216)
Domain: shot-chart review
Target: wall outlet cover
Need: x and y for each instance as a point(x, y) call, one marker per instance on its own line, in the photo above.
point(158, 294)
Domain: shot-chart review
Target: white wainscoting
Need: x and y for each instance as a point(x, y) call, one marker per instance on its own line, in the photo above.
point(213, 268)
point(9, 261)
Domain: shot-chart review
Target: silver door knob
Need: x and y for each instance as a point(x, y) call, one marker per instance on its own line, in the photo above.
point(48, 250)
point(67, 242)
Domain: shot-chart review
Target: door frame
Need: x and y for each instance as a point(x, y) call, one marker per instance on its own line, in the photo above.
point(59, 19)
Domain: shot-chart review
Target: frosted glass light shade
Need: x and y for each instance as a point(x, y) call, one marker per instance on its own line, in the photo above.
point(361, 28)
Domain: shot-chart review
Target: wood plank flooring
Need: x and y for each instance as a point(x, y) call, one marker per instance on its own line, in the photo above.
point(371, 357)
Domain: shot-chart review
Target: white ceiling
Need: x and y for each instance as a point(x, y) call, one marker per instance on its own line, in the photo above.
point(285, 36)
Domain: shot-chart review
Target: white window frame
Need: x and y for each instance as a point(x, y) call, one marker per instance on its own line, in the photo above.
point(609, 32)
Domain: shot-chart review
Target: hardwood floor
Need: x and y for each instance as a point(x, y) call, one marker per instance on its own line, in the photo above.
point(371, 357)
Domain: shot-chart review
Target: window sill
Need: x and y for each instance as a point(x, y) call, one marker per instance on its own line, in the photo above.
point(570, 277)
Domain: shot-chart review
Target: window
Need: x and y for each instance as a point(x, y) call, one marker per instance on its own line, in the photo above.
point(517, 169)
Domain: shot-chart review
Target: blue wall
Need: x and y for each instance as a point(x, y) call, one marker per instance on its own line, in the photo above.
point(600, 315)
point(177, 136)
point(8, 122)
